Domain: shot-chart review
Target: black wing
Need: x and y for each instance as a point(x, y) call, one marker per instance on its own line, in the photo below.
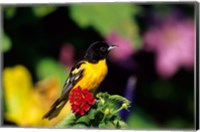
point(74, 76)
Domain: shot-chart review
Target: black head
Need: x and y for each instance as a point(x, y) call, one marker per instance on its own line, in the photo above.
point(98, 51)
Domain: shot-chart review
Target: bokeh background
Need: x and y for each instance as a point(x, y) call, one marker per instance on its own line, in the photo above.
point(153, 66)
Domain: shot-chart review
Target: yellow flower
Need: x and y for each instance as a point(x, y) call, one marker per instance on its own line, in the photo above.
point(26, 104)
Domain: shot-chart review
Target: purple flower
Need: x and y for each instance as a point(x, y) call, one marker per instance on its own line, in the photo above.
point(173, 43)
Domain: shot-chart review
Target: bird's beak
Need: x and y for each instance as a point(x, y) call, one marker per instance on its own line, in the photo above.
point(112, 47)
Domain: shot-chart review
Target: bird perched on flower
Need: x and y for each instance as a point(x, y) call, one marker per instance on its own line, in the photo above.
point(87, 73)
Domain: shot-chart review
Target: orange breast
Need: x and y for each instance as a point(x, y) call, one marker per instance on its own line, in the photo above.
point(93, 75)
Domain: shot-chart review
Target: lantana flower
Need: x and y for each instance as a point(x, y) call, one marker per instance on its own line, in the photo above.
point(81, 100)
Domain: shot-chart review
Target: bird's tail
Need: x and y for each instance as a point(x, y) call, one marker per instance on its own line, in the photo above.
point(55, 109)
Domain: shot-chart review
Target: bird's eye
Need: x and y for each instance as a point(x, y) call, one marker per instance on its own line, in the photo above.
point(103, 49)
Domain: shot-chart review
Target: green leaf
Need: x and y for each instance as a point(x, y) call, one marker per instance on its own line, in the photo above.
point(126, 102)
point(79, 125)
point(10, 12)
point(106, 18)
point(84, 119)
point(7, 44)
point(50, 68)
point(120, 124)
point(91, 114)
point(102, 125)
point(163, 9)
point(109, 124)
point(99, 116)
point(42, 11)
point(66, 122)
point(109, 102)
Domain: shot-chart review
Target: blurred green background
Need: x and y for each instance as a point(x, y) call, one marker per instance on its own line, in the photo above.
point(153, 66)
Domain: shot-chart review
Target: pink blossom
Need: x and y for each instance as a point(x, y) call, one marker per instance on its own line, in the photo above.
point(121, 55)
point(67, 55)
point(173, 43)
point(125, 49)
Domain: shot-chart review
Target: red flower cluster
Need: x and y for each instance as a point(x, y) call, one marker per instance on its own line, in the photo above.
point(81, 100)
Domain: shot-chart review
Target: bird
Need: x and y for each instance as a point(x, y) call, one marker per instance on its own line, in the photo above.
point(88, 73)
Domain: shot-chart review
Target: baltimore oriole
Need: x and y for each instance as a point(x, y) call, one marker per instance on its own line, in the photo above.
point(87, 73)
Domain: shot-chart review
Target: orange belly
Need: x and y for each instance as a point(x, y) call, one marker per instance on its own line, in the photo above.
point(93, 75)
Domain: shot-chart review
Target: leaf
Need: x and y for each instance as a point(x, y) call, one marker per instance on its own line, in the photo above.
point(42, 11)
point(126, 102)
point(102, 125)
point(120, 124)
point(66, 122)
point(79, 125)
point(104, 19)
point(91, 114)
point(162, 8)
point(7, 44)
point(10, 12)
point(83, 119)
point(109, 124)
point(99, 116)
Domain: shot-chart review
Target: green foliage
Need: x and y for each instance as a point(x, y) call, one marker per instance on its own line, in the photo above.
point(42, 11)
point(100, 115)
point(106, 18)
point(178, 123)
point(162, 90)
point(140, 120)
point(10, 12)
point(162, 8)
point(66, 121)
point(80, 125)
point(48, 67)
point(7, 44)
